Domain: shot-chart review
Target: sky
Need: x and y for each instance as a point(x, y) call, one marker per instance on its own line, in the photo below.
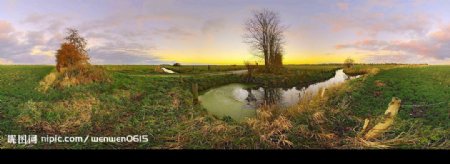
point(211, 31)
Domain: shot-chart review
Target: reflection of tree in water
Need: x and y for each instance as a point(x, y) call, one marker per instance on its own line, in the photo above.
point(272, 95)
point(251, 97)
point(268, 96)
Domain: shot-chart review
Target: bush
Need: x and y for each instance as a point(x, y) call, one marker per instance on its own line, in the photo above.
point(68, 56)
point(176, 64)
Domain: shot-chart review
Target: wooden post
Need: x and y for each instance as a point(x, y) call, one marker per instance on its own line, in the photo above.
point(195, 93)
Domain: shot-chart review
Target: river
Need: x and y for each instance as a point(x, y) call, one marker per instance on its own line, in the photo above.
point(240, 101)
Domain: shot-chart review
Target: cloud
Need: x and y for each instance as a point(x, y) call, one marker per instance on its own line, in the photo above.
point(367, 44)
point(382, 3)
point(25, 47)
point(434, 45)
point(173, 32)
point(342, 5)
point(374, 18)
point(442, 35)
point(5, 27)
point(213, 26)
point(394, 58)
point(373, 24)
point(109, 41)
point(34, 18)
point(39, 50)
point(5, 61)
point(123, 56)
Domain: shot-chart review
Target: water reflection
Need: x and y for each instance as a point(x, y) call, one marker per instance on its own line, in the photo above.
point(290, 96)
point(235, 99)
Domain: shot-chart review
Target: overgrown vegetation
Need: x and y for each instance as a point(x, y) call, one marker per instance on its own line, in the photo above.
point(72, 65)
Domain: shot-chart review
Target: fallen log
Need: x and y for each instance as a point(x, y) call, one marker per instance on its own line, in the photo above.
point(386, 122)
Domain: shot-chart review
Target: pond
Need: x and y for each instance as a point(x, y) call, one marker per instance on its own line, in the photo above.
point(240, 101)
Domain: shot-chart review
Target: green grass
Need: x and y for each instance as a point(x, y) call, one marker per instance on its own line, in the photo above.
point(17, 85)
point(423, 119)
point(128, 105)
point(424, 91)
point(156, 105)
point(132, 69)
point(135, 102)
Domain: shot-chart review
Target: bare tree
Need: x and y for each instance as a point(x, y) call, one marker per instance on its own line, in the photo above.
point(74, 38)
point(264, 33)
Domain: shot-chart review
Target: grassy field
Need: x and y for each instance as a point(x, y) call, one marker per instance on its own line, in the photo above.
point(162, 107)
point(424, 91)
point(425, 95)
point(423, 119)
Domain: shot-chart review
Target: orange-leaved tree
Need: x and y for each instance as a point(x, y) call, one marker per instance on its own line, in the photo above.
point(72, 52)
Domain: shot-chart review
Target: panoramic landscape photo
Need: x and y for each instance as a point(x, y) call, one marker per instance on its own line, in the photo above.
point(231, 74)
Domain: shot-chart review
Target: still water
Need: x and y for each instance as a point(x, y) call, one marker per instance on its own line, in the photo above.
point(240, 101)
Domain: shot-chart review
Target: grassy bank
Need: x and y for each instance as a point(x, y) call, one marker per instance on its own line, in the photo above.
point(295, 76)
point(336, 121)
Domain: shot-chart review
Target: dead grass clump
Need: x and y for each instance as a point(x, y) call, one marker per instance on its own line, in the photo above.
point(57, 118)
point(321, 121)
point(206, 131)
point(82, 74)
point(47, 82)
point(137, 96)
point(318, 118)
point(175, 99)
point(73, 76)
point(122, 94)
point(379, 83)
point(272, 129)
point(373, 71)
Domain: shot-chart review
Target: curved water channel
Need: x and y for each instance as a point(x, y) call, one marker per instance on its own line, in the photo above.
point(240, 101)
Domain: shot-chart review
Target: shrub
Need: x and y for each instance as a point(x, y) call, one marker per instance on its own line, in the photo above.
point(348, 63)
point(72, 52)
point(72, 64)
point(68, 56)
